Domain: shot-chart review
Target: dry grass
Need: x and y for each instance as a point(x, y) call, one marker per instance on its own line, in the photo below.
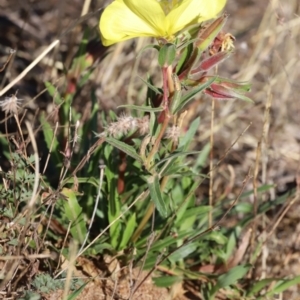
point(267, 54)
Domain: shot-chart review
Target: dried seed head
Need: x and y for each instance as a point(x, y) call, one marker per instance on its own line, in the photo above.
point(173, 133)
point(126, 123)
point(10, 104)
point(123, 125)
point(143, 125)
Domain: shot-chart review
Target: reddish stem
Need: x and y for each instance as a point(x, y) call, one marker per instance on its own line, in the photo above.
point(165, 87)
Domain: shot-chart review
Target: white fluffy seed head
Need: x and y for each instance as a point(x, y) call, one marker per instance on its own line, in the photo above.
point(10, 105)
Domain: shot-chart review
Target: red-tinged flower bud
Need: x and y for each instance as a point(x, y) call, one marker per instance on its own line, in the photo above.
point(207, 34)
point(216, 95)
point(241, 87)
point(208, 63)
point(219, 91)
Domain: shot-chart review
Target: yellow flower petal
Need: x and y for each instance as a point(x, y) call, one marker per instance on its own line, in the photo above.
point(119, 21)
point(192, 12)
point(126, 19)
point(150, 11)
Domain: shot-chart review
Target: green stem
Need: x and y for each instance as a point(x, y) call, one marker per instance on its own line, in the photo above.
point(166, 74)
point(157, 142)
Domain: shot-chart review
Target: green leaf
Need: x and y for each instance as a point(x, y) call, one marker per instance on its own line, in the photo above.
point(129, 228)
point(114, 204)
point(217, 237)
point(152, 87)
point(246, 208)
point(81, 62)
point(258, 286)
point(188, 49)
point(202, 158)
point(156, 195)
point(98, 248)
point(230, 277)
point(129, 150)
point(175, 170)
point(261, 189)
point(29, 295)
point(153, 125)
point(182, 220)
point(189, 135)
point(83, 80)
point(142, 108)
point(50, 138)
point(283, 285)
point(52, 90)
point(231, 244)
point(166, 281)
point(166, 55)
point(76, 293)
point(190, 95)
point(160, 245)
point(198, 211)
point(183, 252)
point(175, 155)
point(86, 180)
point(73, 211)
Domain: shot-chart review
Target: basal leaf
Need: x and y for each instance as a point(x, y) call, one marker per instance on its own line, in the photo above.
point(128, 231)
point(156, 195)
point(73, 212)
point(230, 277)
point(167, 281)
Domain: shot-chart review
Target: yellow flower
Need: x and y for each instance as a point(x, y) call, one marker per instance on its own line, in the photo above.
point(126, 19)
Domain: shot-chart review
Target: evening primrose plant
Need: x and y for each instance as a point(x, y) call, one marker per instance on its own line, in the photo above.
point(129, 199)
point(188, 49)
point(153, 175)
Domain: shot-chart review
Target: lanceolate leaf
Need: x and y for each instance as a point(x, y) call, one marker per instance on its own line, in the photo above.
point(176, 155)
point(74, 213)
point(142, 108)
point(129, 150)
point(50, 138)
point(258, 286)
point(166, 281)
point(166, 55)
point(230, 277)
point(129, 228)
point(156, 195)
point(189, 135)
point(190, 95)
point(152, 87)
point(284, 284)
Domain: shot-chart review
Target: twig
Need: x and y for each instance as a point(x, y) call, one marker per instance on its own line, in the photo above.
point(11, 53)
